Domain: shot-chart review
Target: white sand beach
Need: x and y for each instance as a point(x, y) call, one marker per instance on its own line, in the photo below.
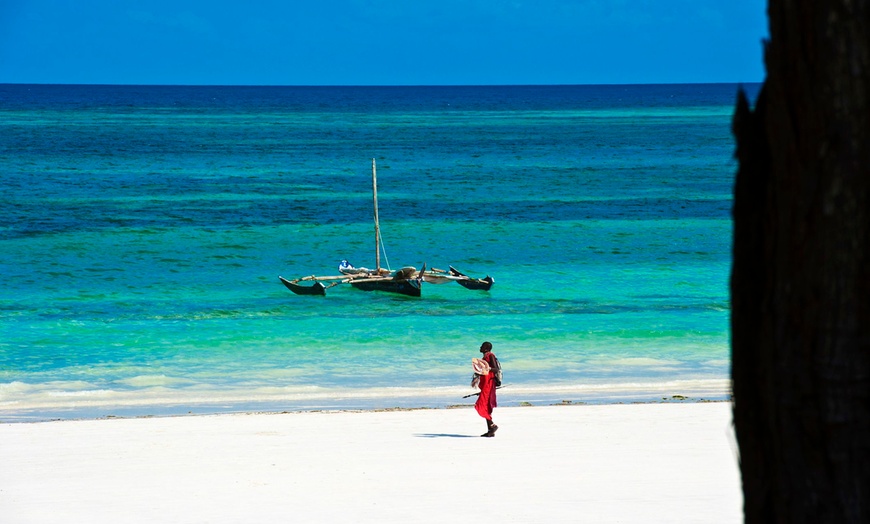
point(668, 462)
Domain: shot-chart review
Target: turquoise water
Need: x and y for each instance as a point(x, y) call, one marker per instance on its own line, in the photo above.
point(143, 230)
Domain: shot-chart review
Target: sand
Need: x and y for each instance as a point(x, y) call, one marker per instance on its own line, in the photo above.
point(668, 462)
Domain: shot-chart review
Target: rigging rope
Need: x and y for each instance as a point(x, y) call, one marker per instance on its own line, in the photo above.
point(384, 250)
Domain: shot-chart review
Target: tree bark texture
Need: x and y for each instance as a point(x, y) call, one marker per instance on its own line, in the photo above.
point(800, 283)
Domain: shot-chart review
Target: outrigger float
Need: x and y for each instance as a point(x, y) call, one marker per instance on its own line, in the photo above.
point(405, 281)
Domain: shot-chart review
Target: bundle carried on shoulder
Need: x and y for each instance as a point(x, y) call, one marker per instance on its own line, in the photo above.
point(496, 370)
point(482, 367)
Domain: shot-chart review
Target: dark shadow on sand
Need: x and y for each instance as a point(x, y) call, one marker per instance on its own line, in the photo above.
point(442, 435)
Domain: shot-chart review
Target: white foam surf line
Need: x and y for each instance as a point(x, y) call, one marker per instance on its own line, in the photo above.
point(30, 402)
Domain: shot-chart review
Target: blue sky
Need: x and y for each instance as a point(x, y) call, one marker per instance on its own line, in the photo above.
point(381, 42)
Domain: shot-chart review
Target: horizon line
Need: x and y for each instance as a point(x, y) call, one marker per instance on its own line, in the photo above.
point(83, 84)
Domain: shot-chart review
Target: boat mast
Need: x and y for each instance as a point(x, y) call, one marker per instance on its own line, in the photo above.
point(377, 226)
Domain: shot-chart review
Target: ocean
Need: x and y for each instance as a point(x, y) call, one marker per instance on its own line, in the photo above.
point(143, 230)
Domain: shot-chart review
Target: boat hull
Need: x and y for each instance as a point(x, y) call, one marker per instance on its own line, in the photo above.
point(408, 287)
point(482, 284)
point(315, 289)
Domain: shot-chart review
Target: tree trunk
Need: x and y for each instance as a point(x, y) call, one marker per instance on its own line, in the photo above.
point(800, 283)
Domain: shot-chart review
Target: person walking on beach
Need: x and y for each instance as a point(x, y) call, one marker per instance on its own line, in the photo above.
point(486, 400)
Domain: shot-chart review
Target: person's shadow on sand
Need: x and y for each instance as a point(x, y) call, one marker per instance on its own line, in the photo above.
point(441, 435)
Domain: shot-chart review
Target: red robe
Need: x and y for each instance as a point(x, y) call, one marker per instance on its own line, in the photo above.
point(486, 401)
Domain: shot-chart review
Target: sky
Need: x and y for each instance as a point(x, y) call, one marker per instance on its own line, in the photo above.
point(381, 42)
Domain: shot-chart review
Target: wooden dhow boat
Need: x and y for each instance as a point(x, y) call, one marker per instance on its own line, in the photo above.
point(405, 281)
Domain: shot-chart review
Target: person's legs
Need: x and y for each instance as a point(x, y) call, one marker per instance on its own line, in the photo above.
point(490, 428)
